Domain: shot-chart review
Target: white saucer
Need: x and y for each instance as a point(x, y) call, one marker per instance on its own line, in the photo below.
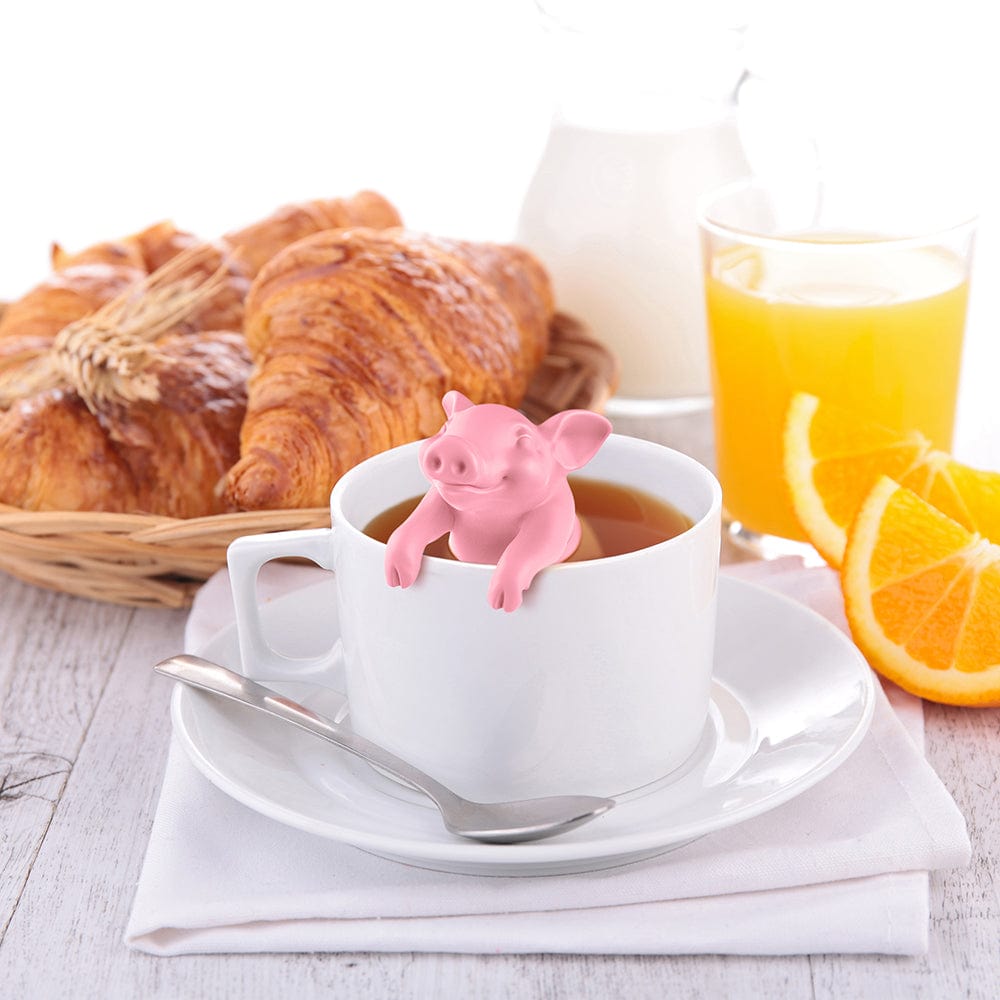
point(791, 699)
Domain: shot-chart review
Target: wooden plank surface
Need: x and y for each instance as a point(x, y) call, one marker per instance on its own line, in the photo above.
point(50, 686)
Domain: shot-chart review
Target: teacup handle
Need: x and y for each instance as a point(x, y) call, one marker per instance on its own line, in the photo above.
point(245, 556)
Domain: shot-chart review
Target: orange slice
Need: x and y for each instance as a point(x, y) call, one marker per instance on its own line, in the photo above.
point(833, 458)
point(922, 595)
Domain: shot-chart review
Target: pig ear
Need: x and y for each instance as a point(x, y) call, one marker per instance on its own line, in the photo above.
point(454, 402)
point(575, 436)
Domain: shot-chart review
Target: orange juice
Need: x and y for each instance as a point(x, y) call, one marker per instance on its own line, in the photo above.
point(872, 326)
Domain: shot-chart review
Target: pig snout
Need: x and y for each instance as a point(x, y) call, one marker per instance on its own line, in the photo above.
point(451, 460)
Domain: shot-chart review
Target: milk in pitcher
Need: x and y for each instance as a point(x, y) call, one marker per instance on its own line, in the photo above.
point(612, 215)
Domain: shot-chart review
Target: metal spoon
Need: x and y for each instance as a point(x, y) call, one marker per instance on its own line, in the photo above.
point(493, 822)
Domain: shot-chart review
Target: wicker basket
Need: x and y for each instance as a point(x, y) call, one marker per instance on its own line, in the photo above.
point(147, 560)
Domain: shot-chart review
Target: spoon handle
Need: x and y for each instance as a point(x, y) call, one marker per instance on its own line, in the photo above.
point(201, 673)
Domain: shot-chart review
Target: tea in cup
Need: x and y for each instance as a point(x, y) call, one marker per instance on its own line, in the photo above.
point(598, 683)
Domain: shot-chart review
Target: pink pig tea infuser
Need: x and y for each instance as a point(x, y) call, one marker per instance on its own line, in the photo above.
point(499, 489)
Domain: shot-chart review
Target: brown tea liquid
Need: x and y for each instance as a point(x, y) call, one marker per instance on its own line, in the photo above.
point(615, 519)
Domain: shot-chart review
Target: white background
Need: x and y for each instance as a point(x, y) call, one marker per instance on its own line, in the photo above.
point(117, 114)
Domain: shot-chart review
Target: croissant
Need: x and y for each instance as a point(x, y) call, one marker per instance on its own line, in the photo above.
point(38, 347)
point(165, 457)
point(54, 455)
point(164, 447)
point(357, 334)
point(83, 282)
point(258, 243)
point(67, 295)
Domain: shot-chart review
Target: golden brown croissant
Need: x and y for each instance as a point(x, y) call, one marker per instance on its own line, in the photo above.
point(54, 455)
point(28, 326)
point(83, 282)
point(66, 295)
point(43, 327)
point(258, 243)
point(164, 457)
point(357, 334)
point(79, 285)
point(163, 442)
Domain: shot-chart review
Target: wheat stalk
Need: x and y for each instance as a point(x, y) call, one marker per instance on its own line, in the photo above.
point(110, 356)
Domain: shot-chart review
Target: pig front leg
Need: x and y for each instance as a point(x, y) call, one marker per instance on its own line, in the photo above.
point(538, 543)
point(405, 548)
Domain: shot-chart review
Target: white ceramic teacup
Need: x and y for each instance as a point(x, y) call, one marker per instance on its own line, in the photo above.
point(598, 684)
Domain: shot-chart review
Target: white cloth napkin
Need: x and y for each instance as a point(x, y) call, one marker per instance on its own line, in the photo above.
point(841, 868)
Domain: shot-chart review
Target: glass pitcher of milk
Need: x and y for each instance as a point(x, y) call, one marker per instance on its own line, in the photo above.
point(645, 125)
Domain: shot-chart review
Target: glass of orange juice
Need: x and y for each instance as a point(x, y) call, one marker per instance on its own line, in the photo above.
point(844, 298)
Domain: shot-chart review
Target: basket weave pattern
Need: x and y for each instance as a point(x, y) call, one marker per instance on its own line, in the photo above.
point(148, 560)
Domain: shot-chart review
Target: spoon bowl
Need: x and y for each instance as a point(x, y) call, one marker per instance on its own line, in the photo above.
point(490, 822)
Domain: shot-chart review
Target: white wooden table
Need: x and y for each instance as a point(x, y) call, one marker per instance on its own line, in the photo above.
point(84, 728)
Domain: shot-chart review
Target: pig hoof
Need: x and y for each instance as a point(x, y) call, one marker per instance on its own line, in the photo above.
point(512, 601)
point(507, 598)
point(399, 576)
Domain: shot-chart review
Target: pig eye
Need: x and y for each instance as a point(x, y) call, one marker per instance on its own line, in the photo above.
point(524, 442)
